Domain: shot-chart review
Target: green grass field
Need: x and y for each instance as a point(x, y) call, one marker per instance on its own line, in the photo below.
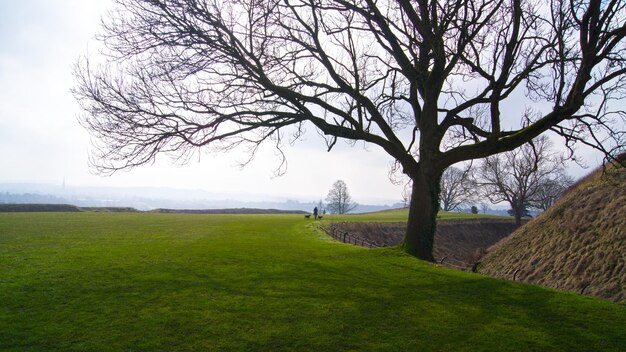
point(165, 282)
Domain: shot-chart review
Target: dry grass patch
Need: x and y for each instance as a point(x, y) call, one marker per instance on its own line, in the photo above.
point(579, 244)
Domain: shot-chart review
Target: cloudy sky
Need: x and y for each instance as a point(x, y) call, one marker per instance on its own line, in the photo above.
point(41, 140)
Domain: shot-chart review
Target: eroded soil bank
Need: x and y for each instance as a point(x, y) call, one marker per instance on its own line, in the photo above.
point(458, 243)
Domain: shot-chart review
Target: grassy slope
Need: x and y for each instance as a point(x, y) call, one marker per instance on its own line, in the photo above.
point(579, 243)
point(163, 282)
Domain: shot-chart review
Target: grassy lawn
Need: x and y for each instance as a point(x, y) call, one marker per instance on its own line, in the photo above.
point(165, 282)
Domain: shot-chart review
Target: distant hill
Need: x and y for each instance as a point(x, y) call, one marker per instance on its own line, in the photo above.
point(25, 208)
point(21, 208)
point(579, 244)
point(146, 198)
point(110, 209)
point(228, 211)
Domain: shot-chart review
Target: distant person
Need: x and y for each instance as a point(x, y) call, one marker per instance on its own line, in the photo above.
point(315, 213)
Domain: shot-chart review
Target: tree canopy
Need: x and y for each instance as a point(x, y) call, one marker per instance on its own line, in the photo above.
point(432, 83)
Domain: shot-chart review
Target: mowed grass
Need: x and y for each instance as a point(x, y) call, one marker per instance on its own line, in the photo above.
point(165, 282)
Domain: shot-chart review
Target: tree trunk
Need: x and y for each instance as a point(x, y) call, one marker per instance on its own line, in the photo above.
point(423, 210)
point(518, 213)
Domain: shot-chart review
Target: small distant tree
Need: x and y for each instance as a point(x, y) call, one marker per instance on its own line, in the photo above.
point(339, 200)
point(406, 200)
point(457, 188)
point(474, 210)
point(484, 207)
point(406, 194)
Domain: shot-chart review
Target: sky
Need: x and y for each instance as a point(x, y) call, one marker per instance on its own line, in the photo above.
point(41, 140)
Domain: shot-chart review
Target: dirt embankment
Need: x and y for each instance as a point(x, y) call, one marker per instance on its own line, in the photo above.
point(459, 243)
point(579, 244)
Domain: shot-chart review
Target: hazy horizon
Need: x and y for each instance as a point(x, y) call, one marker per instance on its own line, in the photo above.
point(149, 198)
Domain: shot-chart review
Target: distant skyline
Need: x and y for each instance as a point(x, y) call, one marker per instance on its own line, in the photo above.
point(42, 142)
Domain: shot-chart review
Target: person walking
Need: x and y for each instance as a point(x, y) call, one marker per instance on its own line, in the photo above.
point(315, 213)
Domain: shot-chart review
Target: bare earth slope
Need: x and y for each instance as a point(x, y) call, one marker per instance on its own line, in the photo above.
point(579, 244)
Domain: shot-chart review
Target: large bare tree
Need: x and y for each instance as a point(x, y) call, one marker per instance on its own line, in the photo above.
point(432, 83)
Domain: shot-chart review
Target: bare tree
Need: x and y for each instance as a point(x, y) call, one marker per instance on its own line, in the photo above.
point(516, 177)
point(431, 82)
point(551, 189)
point(339, 200)
point(458, 187)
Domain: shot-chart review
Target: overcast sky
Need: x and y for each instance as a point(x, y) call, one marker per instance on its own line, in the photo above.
point(41, 140)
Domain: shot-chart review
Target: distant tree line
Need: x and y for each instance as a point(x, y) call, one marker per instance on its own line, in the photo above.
point(530, 177)
point(30, 198)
